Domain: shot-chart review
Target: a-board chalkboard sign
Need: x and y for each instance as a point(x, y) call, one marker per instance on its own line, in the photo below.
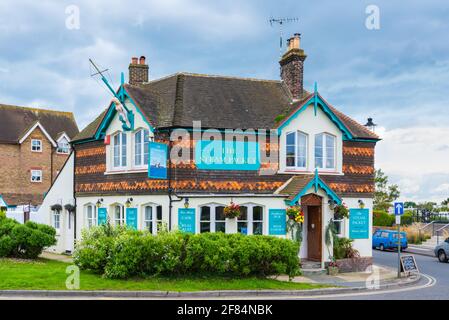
point(408, 264)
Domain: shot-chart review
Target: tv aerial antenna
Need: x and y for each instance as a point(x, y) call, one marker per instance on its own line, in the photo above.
point(103, 77)
point(280, 22)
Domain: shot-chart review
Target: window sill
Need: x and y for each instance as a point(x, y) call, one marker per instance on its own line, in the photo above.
point(111, 172)
point(292, 171)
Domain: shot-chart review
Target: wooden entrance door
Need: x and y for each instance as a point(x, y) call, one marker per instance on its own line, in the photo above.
point(314, 233)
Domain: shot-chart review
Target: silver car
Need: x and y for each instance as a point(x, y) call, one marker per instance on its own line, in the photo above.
point(442, 251)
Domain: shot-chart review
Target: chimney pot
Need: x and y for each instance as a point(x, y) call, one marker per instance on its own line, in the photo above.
point(134, 60)
point(142, 60)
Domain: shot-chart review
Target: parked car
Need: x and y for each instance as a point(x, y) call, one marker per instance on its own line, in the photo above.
point(442, 251)
point(388, 239)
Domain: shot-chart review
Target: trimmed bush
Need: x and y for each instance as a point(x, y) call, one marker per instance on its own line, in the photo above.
point(24, 240)
point(134, 253)
point(383, 219)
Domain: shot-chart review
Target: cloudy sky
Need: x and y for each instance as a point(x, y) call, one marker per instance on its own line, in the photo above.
point(397, 74)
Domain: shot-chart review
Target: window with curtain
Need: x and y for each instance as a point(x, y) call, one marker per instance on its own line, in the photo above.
point(119, 215)
point(152, 218)
point(325, 145)
point(141, 139)
point(91, 216)
point(119, 144)
point(296, 150)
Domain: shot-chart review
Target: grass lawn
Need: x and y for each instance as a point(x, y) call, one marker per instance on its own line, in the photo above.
point(50, 275)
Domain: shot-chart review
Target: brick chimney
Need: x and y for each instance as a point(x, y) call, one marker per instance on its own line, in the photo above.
point(292, 67)
point(138, 71)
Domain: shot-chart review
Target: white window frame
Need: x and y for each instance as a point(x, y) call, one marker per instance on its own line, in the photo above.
point(141, 132)
point(121, 147)
point(296, 147)
point(324, 151)
point(212, 219)
point(33, 174)
point(63, 140)
point(122, 219)
point(93, 220)
point(39, 147)
point(155, 222)
point(249, 219)
point(342, 227)
point(56, 222)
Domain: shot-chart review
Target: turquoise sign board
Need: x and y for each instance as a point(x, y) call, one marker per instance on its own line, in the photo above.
point(157, 162)
point(102, 215)
point(277, 222)
point(186, 220)
point(131, 218)
point(358, 223)
point(227, 155)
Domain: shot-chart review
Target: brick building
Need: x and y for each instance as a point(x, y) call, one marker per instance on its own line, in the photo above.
point(34, 145)
point(313, 156)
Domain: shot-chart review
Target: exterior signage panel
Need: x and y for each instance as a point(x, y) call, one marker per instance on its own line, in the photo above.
point(157, 160)
point(358, 223)
point(186, 220)
point(277, 222)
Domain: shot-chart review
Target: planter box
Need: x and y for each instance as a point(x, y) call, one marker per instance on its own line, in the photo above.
point(332, 271)
point(360, 264)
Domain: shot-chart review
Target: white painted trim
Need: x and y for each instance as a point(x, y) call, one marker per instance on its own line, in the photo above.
point(40, 143)
point(31, 176)
point(64, 135)
point(37, 124)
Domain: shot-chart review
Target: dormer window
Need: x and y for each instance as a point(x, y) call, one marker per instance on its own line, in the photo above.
point(296, 150)
point(141, 139)
point(325, 151)
point(119, 151)
point(63, 146)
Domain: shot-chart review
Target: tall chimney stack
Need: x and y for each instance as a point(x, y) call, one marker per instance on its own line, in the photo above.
point(292, 67)
point(138, 71)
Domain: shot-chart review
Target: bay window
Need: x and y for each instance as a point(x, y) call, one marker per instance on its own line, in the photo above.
point(296, 150)
point(119, 151)
point(325, 151)
point(141, 139)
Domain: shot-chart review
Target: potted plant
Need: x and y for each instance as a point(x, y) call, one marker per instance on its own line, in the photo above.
point(56, 207)
point(70, 207)
point(332, 268)
point(341, 211)
point(232, 211)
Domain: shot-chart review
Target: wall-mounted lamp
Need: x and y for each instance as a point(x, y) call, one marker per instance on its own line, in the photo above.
point(128, 202)
point(361, 204)
point(186, 203)
point(99, 202)
point(331, 204)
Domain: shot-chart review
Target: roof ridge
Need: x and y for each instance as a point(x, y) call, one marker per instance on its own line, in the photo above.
point(35, 109)
point(203, 75)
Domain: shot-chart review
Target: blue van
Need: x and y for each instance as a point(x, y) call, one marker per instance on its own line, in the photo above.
point(388, 239)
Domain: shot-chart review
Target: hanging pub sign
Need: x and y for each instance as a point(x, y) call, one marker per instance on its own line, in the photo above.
point(227, 155)
point(186, 220)
point(358, 223)
point(277, 222)
point(157, 162)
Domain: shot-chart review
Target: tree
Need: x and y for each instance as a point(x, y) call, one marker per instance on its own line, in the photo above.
point(384, 194)
point(409, 204)
point(445, 202)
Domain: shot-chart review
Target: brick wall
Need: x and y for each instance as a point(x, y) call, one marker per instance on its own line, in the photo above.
point(17, 161)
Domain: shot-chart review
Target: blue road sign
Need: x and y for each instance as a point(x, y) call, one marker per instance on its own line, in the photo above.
point(399, 208)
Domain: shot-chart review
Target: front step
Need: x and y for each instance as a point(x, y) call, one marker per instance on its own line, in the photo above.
point(311, 268)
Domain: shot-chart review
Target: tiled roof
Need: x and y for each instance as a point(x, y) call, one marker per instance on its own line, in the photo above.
point(16, 121)
point(219, 102)
point(90, 129)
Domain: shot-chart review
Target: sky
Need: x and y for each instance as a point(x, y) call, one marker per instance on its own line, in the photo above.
point(397, 73)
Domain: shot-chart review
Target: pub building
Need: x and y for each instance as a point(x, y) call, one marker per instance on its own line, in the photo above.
point(159, 156)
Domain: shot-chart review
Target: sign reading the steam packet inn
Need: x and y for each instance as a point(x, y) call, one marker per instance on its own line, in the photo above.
point(227, 155)
point(157, 166)
point(358, 223)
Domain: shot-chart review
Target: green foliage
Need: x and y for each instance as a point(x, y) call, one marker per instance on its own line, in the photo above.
point(409, 204)
point(24, 240)
point(343, 249)
point(407, 218)
point(126, 254)
point(2, 213)
point(384, 194)
point(383, 219)
point(279, 118)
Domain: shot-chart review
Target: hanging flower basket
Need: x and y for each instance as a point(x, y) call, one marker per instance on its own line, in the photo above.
point(56, 207)
point(295, 213)
point(70, 207)
point(232, 211)
point(294, 224)
point(341, 212)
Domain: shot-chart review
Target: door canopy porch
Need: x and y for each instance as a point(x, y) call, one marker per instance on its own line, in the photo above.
point(300, 185)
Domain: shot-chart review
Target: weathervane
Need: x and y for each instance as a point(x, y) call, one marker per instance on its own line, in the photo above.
point(280, 22)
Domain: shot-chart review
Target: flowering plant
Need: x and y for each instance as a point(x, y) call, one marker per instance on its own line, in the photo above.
point(333, 264)
point(295, 213)
point(341, 211)
point(232, 211)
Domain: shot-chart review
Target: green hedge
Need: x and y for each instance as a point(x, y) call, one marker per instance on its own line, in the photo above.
point(123, 253)
point(24, 240)
point(383, 219)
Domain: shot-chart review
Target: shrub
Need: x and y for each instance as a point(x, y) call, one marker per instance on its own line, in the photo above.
point(24, 240)
point(383, 219)
point(343, 249)
point(407, 218)
point(134, 253)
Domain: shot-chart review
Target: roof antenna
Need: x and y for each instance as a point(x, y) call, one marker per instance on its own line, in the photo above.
point(280, 22)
